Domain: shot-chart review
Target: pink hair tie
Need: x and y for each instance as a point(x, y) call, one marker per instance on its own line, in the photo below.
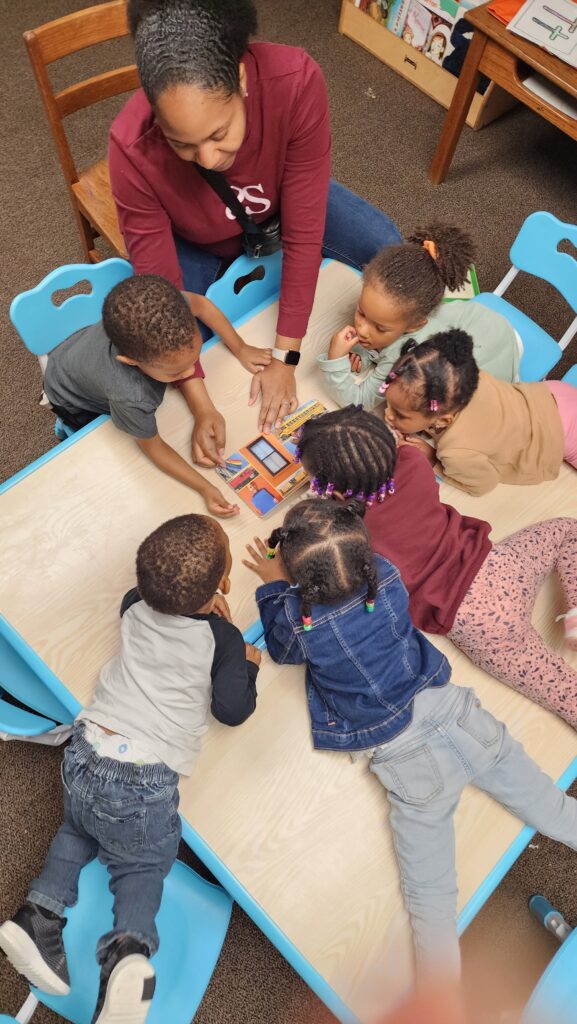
point(434, 405)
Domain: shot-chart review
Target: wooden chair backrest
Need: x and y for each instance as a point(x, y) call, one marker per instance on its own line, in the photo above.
point(69, 35)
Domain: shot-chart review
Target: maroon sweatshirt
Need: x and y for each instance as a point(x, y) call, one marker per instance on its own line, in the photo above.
point(437, 550)
point(283, 165)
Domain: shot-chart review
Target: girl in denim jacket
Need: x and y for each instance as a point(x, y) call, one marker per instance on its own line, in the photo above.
point(377, 687)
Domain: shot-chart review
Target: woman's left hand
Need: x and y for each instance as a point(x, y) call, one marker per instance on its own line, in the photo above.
point(268, 569)
point(278, 393)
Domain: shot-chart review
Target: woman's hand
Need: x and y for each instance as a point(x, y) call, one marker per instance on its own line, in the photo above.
point(278, 394)
point(217, 504)
point(254, 359)
point(209, 438)
point(268, 569)
point(342, 342)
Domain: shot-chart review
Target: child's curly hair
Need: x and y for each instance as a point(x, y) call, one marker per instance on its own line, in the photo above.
point(145, 316)
point(441, 372)
point(412, 275)
point(180, 565)
point(326, 550)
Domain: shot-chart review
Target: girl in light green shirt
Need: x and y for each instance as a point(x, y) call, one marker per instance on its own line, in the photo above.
point(402, 298)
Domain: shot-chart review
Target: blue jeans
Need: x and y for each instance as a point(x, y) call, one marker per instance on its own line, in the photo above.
point(126, 815)
point(453, 741)
point(354, 232)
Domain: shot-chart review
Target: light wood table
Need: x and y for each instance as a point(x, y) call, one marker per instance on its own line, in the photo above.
point(299, 838)
point(506, 59)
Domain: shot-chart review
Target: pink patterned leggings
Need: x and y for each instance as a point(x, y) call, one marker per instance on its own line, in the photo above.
point(493, 623)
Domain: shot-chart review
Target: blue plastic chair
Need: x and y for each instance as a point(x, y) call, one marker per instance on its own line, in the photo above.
point(26, 677)
point(554, 997)
point(536, 251)
point(247, 286)
point(192, 924)
point(19, 722)
point(571, 376)
point(42, 325)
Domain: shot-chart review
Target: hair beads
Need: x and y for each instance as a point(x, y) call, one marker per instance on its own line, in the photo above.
point(307, 622)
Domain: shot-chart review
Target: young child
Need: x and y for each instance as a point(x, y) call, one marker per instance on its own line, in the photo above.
point(179, 659)
point(376, 686)
point(403, 288)
point(486, 430)
point(148, 337)
point(479, 594)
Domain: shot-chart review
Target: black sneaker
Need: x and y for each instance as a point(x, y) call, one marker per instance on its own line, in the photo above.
point(126, 984)
point(32, 941)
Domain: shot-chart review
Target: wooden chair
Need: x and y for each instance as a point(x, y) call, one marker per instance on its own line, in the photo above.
point(90, 189)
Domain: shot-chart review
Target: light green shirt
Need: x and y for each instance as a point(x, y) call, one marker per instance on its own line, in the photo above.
point(495, 348)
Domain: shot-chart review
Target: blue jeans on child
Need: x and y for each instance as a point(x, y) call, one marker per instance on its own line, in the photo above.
point(355, 230)
point(451, 742)
point(126, 815)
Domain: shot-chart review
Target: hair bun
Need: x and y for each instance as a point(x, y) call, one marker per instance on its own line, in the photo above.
point(456, 346)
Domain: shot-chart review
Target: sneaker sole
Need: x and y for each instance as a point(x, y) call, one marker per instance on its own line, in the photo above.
point(128, 996)
point(25, 956)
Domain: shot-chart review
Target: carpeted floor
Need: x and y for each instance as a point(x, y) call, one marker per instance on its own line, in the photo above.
point(384, 135)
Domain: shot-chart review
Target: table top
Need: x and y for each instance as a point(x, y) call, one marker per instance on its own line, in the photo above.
point(304, 832)
point(552, 67)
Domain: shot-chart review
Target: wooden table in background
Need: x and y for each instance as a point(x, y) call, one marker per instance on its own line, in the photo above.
point(299, 837)
point(506, 59)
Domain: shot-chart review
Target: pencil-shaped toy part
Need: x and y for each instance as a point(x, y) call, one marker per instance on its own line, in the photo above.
point(572, 24)
point(555, 33)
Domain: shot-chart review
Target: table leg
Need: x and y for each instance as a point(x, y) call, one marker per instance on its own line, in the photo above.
point(457, 112)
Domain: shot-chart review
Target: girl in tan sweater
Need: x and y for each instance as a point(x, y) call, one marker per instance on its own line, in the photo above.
point(486, 431)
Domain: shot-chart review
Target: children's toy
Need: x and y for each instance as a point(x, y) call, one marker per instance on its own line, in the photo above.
point(267, 470)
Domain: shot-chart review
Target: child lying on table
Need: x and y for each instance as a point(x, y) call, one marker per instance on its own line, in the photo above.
point(179, 659)
point(148, 338)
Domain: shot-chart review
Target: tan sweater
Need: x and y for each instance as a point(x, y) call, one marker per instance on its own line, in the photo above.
point(508, 433)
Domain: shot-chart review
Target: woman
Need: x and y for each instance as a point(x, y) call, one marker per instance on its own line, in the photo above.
point(257, 114)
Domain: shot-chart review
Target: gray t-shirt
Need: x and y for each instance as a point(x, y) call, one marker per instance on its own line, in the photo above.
point(84, 373)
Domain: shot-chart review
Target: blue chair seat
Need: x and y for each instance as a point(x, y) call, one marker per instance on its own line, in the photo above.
point(541, 351)
point(192, 923)
point(554, 998)
point(19, 722)
point(571, 376)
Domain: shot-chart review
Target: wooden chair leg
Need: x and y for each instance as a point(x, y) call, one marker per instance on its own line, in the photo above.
point(87, 234)
point(457, 112)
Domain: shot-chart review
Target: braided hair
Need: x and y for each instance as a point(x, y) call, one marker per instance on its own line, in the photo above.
point(350, 451)
point(441, 372)
point(410, 273)
point(326, 549)
point(190, 42)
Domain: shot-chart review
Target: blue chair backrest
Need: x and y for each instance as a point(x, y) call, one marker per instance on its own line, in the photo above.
point(535, 250)
point(42, 325)
point(237, 303)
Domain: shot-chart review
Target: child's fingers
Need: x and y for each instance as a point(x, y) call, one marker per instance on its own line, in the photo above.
point(250, 565)
point(261, 547)
point(253, 554)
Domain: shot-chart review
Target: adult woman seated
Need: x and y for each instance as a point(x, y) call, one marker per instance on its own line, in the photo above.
point(258, 114)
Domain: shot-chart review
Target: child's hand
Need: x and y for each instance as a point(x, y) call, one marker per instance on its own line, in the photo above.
point(209, 438)
point(253, 654)
point(254, 359)
point(220, 607)
point(342, 342)
point(356, 362)
point(268, 569)
point(217, 504)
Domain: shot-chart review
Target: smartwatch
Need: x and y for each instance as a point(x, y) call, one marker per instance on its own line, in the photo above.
point(289, 356)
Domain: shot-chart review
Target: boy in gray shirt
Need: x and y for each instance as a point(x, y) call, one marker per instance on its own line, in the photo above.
point(148, 338)
point(180, 657)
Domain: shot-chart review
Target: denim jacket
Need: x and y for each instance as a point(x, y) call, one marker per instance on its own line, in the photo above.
point(364, 669)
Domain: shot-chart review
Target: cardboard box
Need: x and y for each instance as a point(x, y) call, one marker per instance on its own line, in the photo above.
point(417, 68)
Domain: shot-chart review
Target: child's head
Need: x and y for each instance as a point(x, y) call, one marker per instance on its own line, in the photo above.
point(349, 451)
point(326, 551)
point(150, 323)
point(403, 284)
point(182, 564)
point(431, 383)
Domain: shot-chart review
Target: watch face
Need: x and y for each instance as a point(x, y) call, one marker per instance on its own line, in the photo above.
point(292, 357)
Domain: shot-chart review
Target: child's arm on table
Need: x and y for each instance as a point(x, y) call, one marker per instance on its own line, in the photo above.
point(169, 461)
point(234, 670)
point(252, 358)
point(339, 378)
point(468, 470)
point(281, 640)
point(209, 430)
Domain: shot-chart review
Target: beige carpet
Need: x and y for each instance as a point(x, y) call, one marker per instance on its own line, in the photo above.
point(384, 136)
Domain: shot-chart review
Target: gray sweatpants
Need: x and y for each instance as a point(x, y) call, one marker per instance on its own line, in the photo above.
point(453, 741)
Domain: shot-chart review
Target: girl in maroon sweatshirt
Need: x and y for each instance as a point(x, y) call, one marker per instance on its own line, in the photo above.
point(258, 114)
point(481, 595)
